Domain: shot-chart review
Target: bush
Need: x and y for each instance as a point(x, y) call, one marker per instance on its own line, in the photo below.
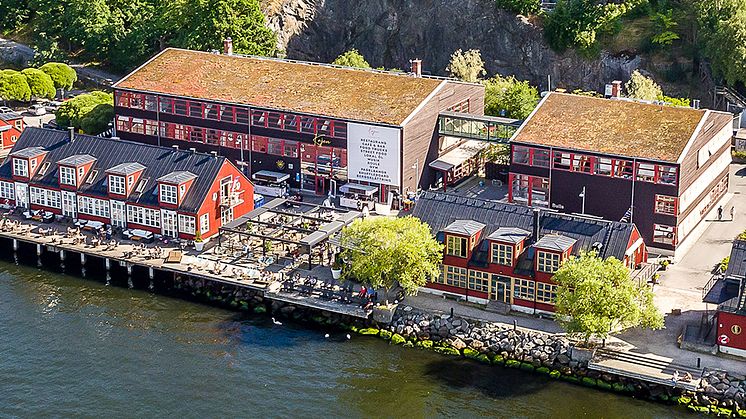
point(91, 112)
point(521, 7)
point(739, 155)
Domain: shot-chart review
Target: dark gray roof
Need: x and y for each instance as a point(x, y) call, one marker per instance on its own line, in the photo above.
point(509, 234)
point(26, 152)
point(109, 153)
point(77, 160)
point(555, 242)
point(737, 260)
point(125, 169)
point(177, 177)
point(465, 227)
point(439, 210)
point(10, 116)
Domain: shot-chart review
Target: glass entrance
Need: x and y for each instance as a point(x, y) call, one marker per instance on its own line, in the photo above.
point(69, 204)
point(21, 195)
point(117, 214)
point(168, 219)
point(500, 289)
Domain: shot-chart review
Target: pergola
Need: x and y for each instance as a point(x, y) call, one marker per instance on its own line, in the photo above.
point(303, 225)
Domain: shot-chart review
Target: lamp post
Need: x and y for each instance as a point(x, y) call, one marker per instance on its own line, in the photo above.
point(416, 168)
point(582, 195)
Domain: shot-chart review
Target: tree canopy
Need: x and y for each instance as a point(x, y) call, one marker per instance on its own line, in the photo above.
point(641, 87)
point(39, 83)
point(509, 97)
point(467, 66)
point(722, 27)
point(351, 58)
point(63, 76)
point(596, 296)
point(91, 112)
point(382, 251)
point(521, 7)
point(14, 86)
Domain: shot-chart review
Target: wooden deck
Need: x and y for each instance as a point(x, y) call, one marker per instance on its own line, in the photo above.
point(648, 367)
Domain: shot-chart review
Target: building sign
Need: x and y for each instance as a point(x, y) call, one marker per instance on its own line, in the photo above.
point(373, 154)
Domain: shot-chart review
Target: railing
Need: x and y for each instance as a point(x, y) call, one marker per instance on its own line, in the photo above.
point(484, 128)
point(644, 274)
point(711, 283)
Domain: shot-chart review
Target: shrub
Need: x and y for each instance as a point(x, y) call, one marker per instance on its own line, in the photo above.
point(588, 381)
point(397, 339)
point(739, 155)
point(368, 331)
point(512, 363)
point(521, 7)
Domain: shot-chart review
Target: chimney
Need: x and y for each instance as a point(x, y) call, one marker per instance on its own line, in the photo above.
point(193, 150)
point(695, 103)
point(228, 46)
point(175, 147)
point(416, 67)
point(72, 133)
point(616, 88)
point(536, 224)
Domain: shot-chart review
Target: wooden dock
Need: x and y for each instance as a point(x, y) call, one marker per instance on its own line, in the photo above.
point(648, 367)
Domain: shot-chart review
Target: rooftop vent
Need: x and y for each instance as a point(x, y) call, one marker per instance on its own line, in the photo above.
point(228, 46)
point(416, 67)
point(175, 147)
point(192, 150)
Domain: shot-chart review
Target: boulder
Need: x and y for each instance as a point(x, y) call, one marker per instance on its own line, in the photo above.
point(458, 344)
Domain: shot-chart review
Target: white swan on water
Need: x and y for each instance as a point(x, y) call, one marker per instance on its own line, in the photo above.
point(276, 322)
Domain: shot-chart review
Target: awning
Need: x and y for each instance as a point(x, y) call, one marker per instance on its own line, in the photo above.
point(459, 155)
point(367, 189)
point(723, 290)
point(270, 176)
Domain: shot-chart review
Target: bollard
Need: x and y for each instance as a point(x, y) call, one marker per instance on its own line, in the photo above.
point(515, 324)
point(15, 244)
point(699, 362)
point(82, 259)
point(38, 250)
point(107, 264)
point(151, 272)
point(451, 312)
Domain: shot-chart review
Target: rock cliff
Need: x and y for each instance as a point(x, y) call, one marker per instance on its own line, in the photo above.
point(391, 32)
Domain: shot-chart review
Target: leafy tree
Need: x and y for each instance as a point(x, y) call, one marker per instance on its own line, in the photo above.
point(467, 66)
point(521, 7)
point(351, 58)
point(91, 112)
point(680, 102)
point(641, 87)
point(14, 86)
point(506, 96)
point(63, 76)
point(664, 28)
point(596, 296)
point(40, 83)
point(722, 26)
point(390, 250)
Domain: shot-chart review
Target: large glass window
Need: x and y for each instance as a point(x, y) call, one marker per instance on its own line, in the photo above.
point(539, 158)
point(7, 190)
point(547, 262)
point(523, 289)
point(646, 172)
point(665, 205)
point(664, 234)
point(546, 293)
point(520, 155)
point(479, 281)
point(67, 176)
point(116, 185)
point(44, 197)
point(187, 224)
point(603, 166)
point(144, 216)
point(455, 276)
point(20, 167)
point(456, 246)
point(502, 254)
point(561, 160)
point(168, 194)
point(93, 206)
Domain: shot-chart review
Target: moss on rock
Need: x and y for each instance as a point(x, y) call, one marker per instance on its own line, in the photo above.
point(603, 385)
point(543, 370)
point(526, 366)
point(498, 359)
point(555, 374)
point(427, 344)
point(408, 344)
point(385, 334)
point(397, 339)
point(446, 350)
point(470, 353)
point(588, 381)
point(619, 387)
point(741, 413)
point(260, 309)
point(699, 409)
point(368, 331)
point(570, 379)
point(512, 363)
point(483, 358)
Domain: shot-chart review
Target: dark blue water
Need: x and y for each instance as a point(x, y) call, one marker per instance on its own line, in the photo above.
point(77, 348)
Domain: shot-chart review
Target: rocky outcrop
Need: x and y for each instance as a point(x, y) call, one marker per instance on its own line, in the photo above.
point(391, 32)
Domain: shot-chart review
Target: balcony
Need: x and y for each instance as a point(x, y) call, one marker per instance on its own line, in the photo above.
point(231, 200)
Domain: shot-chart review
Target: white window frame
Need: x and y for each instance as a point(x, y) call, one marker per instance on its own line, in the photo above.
point(144, 216)
point(93, 206)
point(116, 185)
point(44, 197)
point(204, 223)
point(168, 194)
point(7, 190)
point(20, 167)
point(547, 262)
point(67, 176)
point(187, 224)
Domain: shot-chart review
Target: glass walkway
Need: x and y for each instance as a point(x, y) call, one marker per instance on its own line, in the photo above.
point(483, 128)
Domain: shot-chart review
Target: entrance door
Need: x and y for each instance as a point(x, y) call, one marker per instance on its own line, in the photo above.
point(69, 205)
point(117, 214)
point(321, 185)
point(21, 195)
point(500, 289)
point(168, 223)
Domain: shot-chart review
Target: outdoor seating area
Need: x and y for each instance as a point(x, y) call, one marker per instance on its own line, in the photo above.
point(329, 289)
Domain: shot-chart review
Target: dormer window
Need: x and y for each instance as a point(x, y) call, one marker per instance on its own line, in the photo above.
point(502, 254)
point(456, 246)
point(168, 194)
point(547, 262)
point(116, 185)
point(81, 172)
point(20, 167)
point(67, 176)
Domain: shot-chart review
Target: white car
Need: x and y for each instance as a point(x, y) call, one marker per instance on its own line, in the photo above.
point(5, 109)
point(52, 106)
point(37, 110)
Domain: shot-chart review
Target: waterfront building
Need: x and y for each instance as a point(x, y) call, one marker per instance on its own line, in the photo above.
point(727, 291)
point(11, 126)
point(505, 254)
point(662, 167)
point(175, 193)
point(314, 126)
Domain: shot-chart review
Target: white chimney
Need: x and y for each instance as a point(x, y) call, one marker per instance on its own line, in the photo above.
point(416, 67)
point(228, 46)
point(72, 133)
point(695, 103)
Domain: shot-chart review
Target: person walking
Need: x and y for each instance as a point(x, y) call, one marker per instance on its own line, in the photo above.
point(732, 212)
point(720, 213)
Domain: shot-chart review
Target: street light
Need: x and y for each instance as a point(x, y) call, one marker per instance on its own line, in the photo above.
point(582, 195)
point(416, 168)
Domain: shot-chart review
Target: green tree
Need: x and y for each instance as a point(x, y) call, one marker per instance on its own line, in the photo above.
point(722, 28)
point(14, 86)
point(641, 87)
point(664, 28)
point(596, 296)
point(467, 66)
point(63, 76)
point(91, 112)
point(521, 7)
point(40, 83)
point(506, 96)
point(351, 58)
point(383, 251)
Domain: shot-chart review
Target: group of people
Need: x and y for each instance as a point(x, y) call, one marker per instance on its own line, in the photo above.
point(732, 213)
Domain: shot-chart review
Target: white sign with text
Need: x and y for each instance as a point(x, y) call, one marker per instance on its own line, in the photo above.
point(373, 154)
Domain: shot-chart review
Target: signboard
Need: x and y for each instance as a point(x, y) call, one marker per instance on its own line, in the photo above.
point(373, 154)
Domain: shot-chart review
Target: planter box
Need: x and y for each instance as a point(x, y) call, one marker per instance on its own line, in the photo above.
point(384, 315)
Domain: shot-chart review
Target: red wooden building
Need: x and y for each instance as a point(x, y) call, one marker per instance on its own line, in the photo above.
point(508, 253)
point(727, 291)
point(11, 126)
point(169, 192)
point(661, 167)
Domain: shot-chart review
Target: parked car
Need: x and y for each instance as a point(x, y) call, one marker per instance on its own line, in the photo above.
point(37, 110)
point(5, 109)
point(52, 106)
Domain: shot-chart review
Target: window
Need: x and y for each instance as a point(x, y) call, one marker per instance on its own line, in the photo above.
point(603, 166)
point(539, 158)
point(93, 206)
point(7, 191)
point(204, 223)
point(91, 177)
point(20, 167)
point(531, 190)
point(646, 172)
point(523, 289)
point(667, 175)
point(520, 155)
point(623, 169)
point(582, 163)
point(168, 194)
point(456, 246)
point(67, 176)
point(182, 190)
point(547, 262)
point(561, 160)
point(187, 224)
point(664, 234)
point(44, 197)
point(116, 185)
point(546, 293)
point(259, 144)
point(144, 216)
point(455, 277)
point(130, 180)
point(539, 192)
point(274, 146)
point(665, 205)
point(502, 254)
point(43, 169)
point(479, 281)
point(290, 149)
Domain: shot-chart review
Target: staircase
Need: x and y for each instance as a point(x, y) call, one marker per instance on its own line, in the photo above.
point(648, 367)
point(498, 307)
